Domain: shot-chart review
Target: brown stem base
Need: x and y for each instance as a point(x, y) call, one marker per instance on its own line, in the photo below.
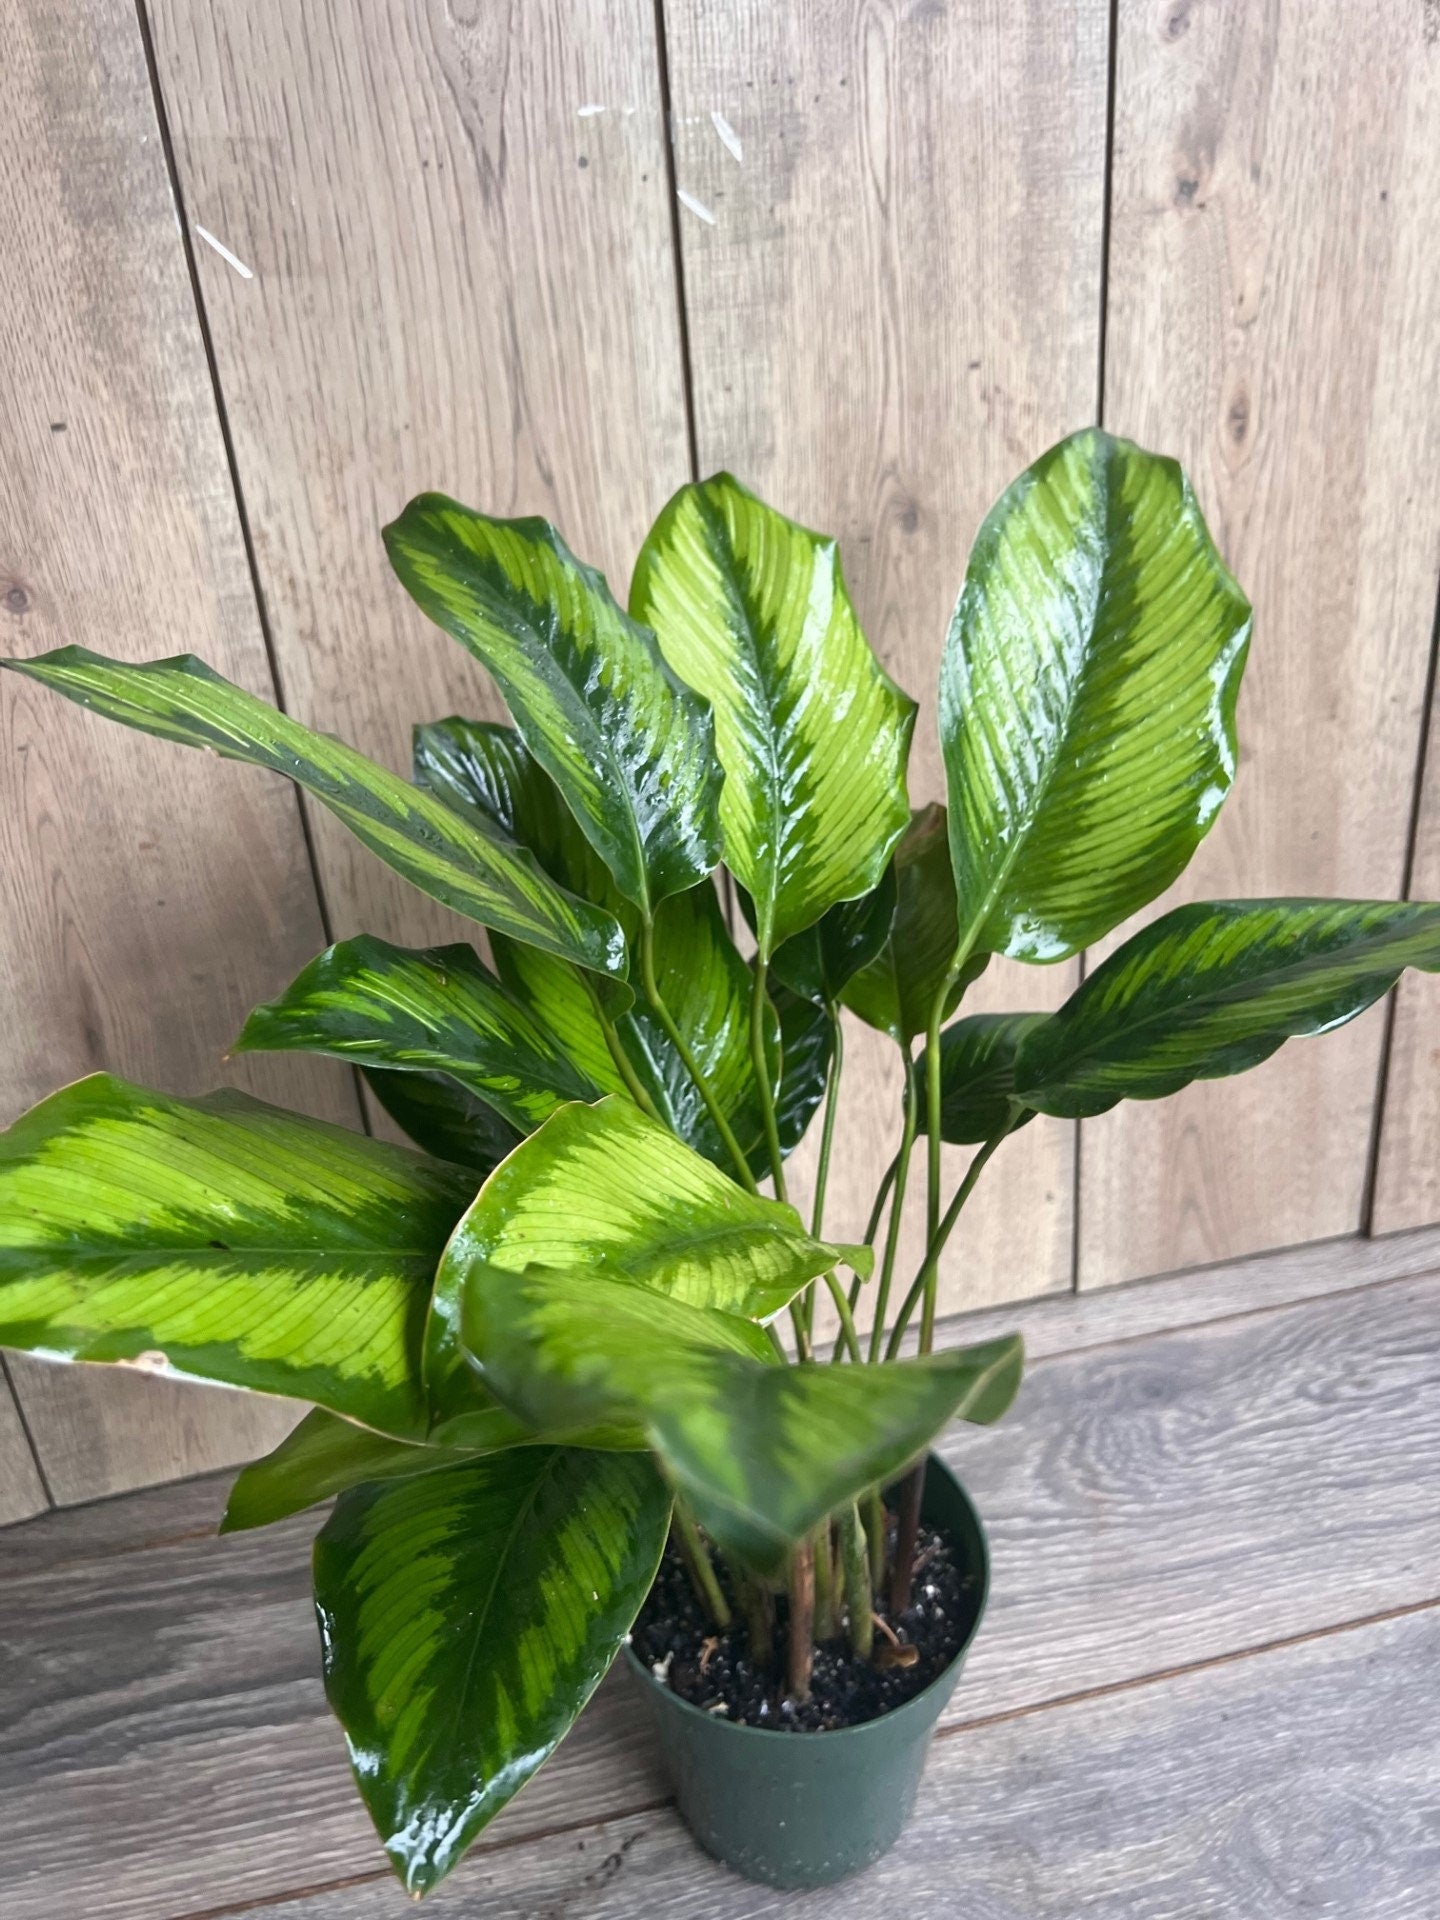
point(907, 1531)
point(802, 1622)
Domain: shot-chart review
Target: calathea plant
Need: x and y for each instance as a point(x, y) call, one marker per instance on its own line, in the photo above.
point(574, 1322)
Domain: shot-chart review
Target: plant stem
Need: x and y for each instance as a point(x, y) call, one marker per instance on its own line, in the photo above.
point(853, 1298)
point(848, 1337)
point(859, 1600)
point(907, 1532)
point(701, 1568)
point(692, 1067)
point(633, 1084)
point(758, 1604)
point(826, 1598)
point(802, 1621)
point(827, 1131)
point(932, 1115)
point(875, 1538)
point(923, 1283)
point(759, 1000)
point(897, 1205)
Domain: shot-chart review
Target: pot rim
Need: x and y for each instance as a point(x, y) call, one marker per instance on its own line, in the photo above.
point(915, 1706)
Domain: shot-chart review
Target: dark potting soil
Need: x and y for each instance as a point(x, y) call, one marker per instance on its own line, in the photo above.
point(676, 1639)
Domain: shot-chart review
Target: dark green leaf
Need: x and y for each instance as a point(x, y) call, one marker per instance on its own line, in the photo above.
point(1214, 988)
point(1087, 698)
point(325, 1456)
point(433, 1009)
point(977, 1074)
point(822, 961)
point(897, 991)
point(440, 1116)
point(806, 1049)
point(485, 876)
point(813, 735)
point(466, 1616)
point(629, 747)
point(227, 1240)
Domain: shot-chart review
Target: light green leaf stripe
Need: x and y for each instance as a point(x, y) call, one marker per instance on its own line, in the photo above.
point(630, 748)
point(813, 735)
point(1217, 987)
point(1087, 698)
point(435, 1009)
point(324, 1456)
point(229, 1240)
point(466, 1617)
point(606, 1186)
point(479, 874)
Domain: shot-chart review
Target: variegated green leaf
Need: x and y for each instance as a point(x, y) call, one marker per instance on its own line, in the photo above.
point(1214, 988)
point(440, 1116)
point(813, 735)
point(324, 1456)
point(629, 747)
point(483, 875)
point(761, 1450)
point(1087, 698)
point(605, 1185)
point(433, 1009)
point(897, 991)
point(977, 1075)
point(466, 1616)
point(574, 1353)
point(223, 1239)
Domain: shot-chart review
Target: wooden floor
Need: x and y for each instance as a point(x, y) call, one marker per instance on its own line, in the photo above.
point(1209, 1683)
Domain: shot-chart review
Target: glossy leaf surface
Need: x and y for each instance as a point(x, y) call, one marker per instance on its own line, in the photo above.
point(806, 1048)
point(440, 1116)
point(1217, 987)
point(325, 1456)
point(762, 1450)
point(977, 1069)
point(813, 735)
point(820, 962)
point(484, 876)
point(897, 990)
point(227, 1240)
point(577, 1353)
point(630, 748)
point(433, 1009)
point(1087, 698)
point(466, 1616)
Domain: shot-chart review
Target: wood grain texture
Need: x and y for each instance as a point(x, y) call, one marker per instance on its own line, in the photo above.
point(896, 308)
point(1273, 321)
point(1298, 1782)
point(1174, 1500)
point(152, 896)
point(1407, 1171)
point(461, 281)
point(22, 1492)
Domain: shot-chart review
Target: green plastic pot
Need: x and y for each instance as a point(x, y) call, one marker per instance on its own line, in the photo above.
point(804, 1809)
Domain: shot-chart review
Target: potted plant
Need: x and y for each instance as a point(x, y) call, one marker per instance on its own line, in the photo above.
point(573, 1329)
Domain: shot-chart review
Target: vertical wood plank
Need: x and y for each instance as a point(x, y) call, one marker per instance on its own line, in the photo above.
point(1273, 320)
point(458, 229)
point(22, 1492)
point(1407, 1170)
point(895, 309)
point(152, 895)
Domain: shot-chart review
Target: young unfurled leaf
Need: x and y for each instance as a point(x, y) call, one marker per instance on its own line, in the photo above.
point(443, 1118)
point(896, 992)
point(1087, 698)
point(238, 1243)
point(630, 748)
point(433, 1009)
point(325, 1456)
point(813, 735)
point(1217, 987)
point(762, 1451)
point(977, 1074)
point(484, 876)
point(466, 1616)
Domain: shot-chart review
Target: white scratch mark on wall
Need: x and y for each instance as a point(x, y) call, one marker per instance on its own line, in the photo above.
point(223, 251)
point(697, 207)
point(728, 136)
point(591, 107)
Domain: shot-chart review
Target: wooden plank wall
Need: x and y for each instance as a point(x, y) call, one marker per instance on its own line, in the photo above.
point(918, 242)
